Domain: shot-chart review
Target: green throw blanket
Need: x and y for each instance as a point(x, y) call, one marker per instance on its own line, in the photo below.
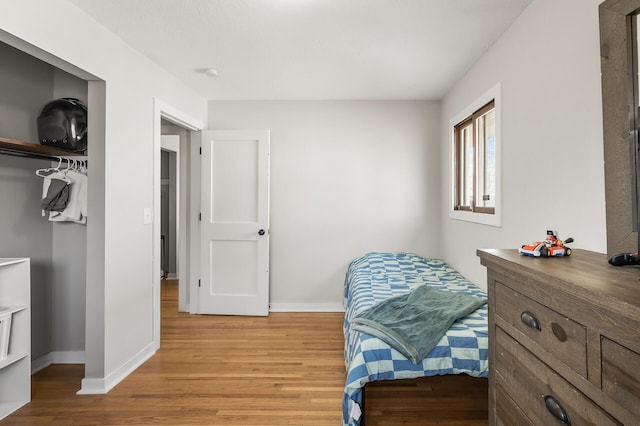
point(413, 323)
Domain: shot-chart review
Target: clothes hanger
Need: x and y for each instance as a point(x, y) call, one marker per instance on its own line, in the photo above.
point(82, 166)
point(56, 168)
point(48, 170)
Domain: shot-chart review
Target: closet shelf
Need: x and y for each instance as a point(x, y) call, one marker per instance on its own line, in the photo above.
point(27, 149)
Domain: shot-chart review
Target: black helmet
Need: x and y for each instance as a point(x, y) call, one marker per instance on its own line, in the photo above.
point(63, 124)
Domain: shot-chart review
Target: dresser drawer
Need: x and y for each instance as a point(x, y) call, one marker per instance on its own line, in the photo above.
point(538, 391)
point(565, 339)
point(507, 412)
point(621, 375)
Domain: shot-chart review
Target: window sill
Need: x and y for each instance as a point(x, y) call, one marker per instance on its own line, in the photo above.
point(481, 218)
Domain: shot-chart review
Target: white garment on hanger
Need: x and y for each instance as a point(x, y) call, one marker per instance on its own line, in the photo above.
point(76, 209)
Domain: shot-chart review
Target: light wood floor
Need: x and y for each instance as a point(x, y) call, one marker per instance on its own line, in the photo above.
point(284, 369)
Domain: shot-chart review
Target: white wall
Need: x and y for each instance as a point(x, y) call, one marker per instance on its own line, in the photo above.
point(552, 151)
point(120, 321)
point(347, 177)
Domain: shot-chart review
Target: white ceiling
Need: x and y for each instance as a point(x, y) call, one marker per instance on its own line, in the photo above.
point(311, 49)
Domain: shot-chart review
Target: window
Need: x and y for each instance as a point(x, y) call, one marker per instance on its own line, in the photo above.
point(474, 148)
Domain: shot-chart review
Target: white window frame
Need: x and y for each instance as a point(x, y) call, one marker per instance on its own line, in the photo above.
point(494, 219)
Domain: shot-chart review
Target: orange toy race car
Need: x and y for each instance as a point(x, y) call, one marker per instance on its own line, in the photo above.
point(550, 247)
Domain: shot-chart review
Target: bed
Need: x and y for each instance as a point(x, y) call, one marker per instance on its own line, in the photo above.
point(376, 277)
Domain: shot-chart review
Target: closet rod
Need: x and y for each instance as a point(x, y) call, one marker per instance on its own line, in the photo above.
point(27, 154)
point(40, 156)
point(31, 150)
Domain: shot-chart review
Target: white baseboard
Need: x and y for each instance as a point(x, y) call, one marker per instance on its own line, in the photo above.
point(306, 307)
point(92, 387)
point(104, 385)
point(57, 357)
point(172, 276)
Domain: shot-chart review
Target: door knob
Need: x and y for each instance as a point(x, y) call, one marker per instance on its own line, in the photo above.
point(261, 232)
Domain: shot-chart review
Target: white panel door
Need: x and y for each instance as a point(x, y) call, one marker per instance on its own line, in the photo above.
point(234, 230)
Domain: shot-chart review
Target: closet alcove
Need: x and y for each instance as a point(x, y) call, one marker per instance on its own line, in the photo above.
point(58, 251)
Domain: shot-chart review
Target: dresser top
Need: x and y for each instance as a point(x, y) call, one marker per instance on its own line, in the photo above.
point(584, 274)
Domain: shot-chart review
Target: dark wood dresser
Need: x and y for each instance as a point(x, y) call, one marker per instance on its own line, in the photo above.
point(564, 339)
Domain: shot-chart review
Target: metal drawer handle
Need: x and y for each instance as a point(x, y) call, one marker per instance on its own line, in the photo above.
point(556, 410)
point(530, 320)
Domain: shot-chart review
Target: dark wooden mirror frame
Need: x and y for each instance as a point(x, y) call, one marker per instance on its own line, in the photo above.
point(619, 112)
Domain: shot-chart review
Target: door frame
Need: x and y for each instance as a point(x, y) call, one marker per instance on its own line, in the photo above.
point(162, 110)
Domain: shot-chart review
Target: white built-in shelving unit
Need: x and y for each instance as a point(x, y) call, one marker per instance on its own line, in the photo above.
point(15, 369)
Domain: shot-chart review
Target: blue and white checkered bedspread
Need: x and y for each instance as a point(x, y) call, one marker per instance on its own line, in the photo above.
point(375, 277)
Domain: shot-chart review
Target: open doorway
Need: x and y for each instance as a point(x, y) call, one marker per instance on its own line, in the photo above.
point(177, 130)
point(175, 143)
point(171, 211)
